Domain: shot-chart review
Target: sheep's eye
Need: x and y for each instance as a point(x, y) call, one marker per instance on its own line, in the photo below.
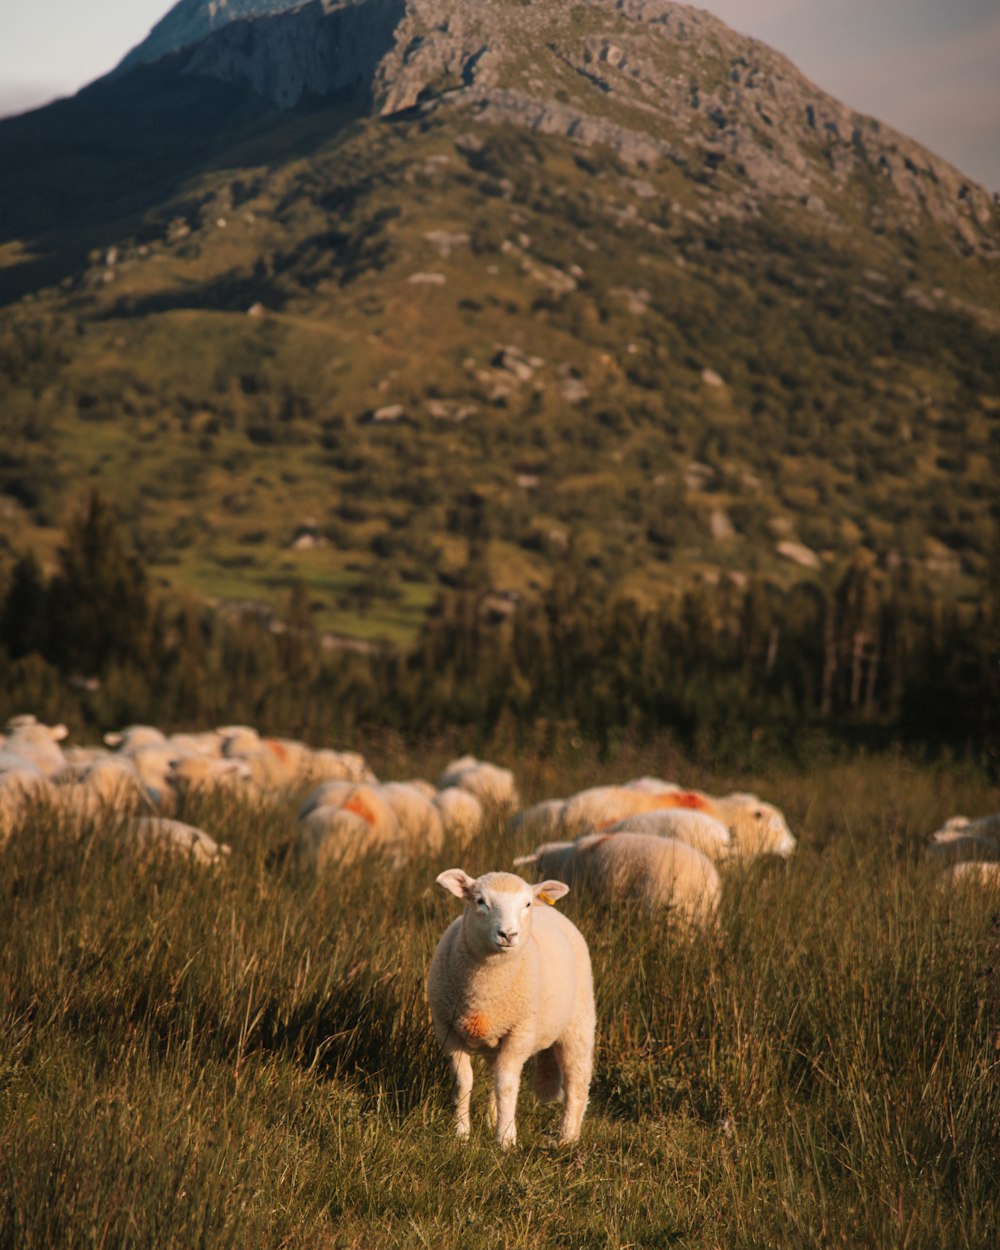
point(481, 902)
point(757, 815)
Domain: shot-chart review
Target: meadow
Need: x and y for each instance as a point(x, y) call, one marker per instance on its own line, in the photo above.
point(243, 1058)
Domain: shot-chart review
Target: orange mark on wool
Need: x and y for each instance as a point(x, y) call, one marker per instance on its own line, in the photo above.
point(476, 1026)
point(360, 808)
point(277, 749)
point(687, 799)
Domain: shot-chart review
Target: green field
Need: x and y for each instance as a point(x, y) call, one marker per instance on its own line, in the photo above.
point(244, 1059)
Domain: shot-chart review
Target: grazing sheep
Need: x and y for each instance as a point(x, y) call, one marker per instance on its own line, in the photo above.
point(657, 872)
point(157, 833)
point(697, 829)
point(494, 787)
point(511, 979)
point(461, 813)
point(192, 774)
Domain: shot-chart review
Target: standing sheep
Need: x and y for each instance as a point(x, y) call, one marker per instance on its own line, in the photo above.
point(511, 979)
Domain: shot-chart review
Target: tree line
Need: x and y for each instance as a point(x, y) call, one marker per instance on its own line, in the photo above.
point(869, 653)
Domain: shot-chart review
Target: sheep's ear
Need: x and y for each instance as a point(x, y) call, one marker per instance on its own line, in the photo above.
point(58, 732)
point(549, 891)
point(456, 882)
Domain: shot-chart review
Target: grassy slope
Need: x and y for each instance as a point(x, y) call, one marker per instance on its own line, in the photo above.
point(246, 1059)
point(846, 413)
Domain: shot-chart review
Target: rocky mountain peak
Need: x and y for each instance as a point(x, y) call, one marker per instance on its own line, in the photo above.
point(653, 80)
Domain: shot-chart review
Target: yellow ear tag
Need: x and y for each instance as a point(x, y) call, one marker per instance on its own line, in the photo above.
point(545, 899)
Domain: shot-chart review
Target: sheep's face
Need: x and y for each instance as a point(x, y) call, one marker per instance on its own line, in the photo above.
point(498, 907)
point(758, 827)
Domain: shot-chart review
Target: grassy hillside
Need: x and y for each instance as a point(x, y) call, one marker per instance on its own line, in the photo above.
point(245, 1059)
point(411, 347)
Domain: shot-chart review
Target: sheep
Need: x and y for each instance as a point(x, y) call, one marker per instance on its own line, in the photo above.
point(461, 813)
point(157, 833)
point(511, 979)
point(494, 787)
point(328, 794)
point(657, 872)
point(603, 806)
point(697, 829)
point(962, 839)
point(327, 765)
point(132, 737)
point(358, 821)
point(35, 744)
point(418, 819)
point(201, 773)
point(974, 872)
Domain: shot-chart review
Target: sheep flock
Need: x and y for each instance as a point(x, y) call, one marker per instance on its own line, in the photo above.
point(647, 843)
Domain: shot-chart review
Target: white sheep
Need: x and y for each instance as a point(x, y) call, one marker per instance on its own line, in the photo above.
point(511, 979)
point(656, 872)
point(494, 787)
point(354, 822)
point(157, 833)
point(961, 838)
point(697, 829)
point(974, 872)
point(34, 743)
point(600, 807)
point(132, 737)
point(418, 819)
point(461, 813)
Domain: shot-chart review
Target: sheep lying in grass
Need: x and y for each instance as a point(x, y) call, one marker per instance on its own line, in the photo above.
point(159, 834)
point(655, 872)
point(511, 979)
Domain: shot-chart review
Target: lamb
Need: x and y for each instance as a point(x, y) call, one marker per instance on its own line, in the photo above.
point(657, 872)
point(511, 979)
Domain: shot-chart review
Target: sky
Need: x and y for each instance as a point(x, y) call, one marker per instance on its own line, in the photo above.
point(927, 67)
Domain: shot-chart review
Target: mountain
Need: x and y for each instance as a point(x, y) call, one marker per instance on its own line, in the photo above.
point(390, 294)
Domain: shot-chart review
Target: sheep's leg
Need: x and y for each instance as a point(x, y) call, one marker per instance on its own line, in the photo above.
point(491, 1109)
point(576, 1058)
point(460, 1063)
point(506, 1082)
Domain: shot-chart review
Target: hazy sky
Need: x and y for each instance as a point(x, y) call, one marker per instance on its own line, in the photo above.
point(927, 67)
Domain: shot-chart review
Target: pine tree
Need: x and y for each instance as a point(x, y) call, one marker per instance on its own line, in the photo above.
point(100, 609)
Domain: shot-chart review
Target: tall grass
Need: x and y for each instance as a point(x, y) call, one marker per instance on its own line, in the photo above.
point(243, 1058)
